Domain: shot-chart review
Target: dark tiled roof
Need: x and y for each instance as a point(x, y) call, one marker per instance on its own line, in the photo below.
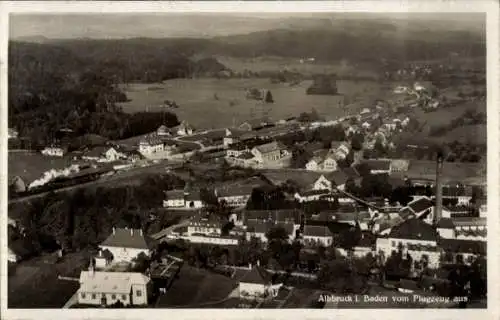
point(463, 246)
point(127, 238)
point(238, 147)
point(316, 231)
point(245, 156)
point(414, 229)
point(338, 177)
point(367, 240)
point(446, 223)
point(420, 205)
point(278, 216)
point(231, 191)
point(270, 147)
point(193, 196)
point(258, 226)
point(406, 213)
point(314, 192)
point(257, 275)
point(174, 194)
point(408, 284)
point(375, 164)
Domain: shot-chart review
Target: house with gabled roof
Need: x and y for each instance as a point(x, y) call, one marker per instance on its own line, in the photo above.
point(108, 288)
point(125, 245)
point(270, 154)
point(378, 166)
point(324, 161)
point(255, 283)
point(317, 235)
point(332, 180)
point(259, 228)
point(414, 237)
point(462, 251)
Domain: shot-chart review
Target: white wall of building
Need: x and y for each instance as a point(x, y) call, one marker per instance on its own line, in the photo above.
point(125, 254)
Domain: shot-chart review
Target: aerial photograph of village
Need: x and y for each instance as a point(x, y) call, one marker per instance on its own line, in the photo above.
point(255, 161)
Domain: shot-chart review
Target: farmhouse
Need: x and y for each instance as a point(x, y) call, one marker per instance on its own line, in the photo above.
point(54, 151)
point(108, 288)
point(205, 225)
point(124, 245)
point(163, 131)
point(332, 180)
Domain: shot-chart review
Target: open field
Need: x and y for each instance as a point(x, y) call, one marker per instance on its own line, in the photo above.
point(31, 166)
point(200, 107)
point(452, 171)
point(34, 284)
point(444, 116)
point(473, 134)
point(196, 287)
point(270, 63)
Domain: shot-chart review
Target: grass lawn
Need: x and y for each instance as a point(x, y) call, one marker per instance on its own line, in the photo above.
point(34, 284)
point(31, 166)
point(196, 287)
point(451, 170)
point(200, 107)
point(444, 116)
point(473, 134)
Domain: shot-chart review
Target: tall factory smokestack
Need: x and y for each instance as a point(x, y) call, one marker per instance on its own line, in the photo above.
point(439, 188)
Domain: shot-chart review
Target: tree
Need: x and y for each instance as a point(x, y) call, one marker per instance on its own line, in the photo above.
point(277, 233)
point(269, 97)
point(357, 141)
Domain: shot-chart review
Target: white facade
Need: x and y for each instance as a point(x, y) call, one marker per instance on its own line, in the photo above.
point(322, 184)
point(388, 245)
point(251, 290)
point(148, 148)
point(123, 254)
point(223, 241)
point(235, 201)
point(97, 288)
point(312, 165)
point(174, 203)
point(112, 155)
point(325, 241)
point(53, 152)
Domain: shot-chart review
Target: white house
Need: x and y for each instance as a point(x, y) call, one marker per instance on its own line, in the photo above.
point(322, 162)
point(108, 288)
point(258, 229)
point(153, 144)
point(54, 151)
point(112, 154)
point(340, 149)
point(234, 196)
point(181, 198)
point(317, 235)
point(413, 237)
point(271, 155)
point(206, 225)
point(184, 129)
point(256, 283)
point(125, 245)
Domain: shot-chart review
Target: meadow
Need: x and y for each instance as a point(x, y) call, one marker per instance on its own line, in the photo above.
point(215, 103)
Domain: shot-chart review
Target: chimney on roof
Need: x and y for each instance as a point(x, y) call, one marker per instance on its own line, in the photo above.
point(439, 189)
